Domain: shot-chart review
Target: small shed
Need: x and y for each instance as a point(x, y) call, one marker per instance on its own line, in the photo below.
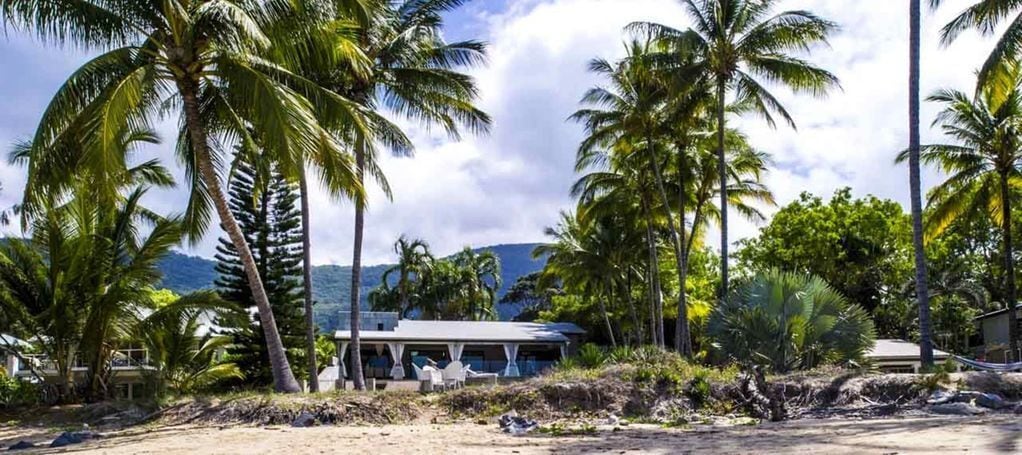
point(900, 356)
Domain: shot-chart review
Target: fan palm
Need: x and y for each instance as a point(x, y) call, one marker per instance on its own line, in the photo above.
point(984, 165)
point(788, 321)
point(734, 43)
point(202, 57)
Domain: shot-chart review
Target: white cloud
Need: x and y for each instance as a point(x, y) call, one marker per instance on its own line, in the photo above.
point(507, 186)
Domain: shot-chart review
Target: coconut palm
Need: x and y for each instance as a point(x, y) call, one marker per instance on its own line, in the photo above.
point(987, 16)
point(414, 260)
point(481, 278)
point(580, 258)
point(202, 57)
point(414, 73)
point(984, 164)
point(788, 321)
point(915, 189)
point(184, 359)
point(736, 42)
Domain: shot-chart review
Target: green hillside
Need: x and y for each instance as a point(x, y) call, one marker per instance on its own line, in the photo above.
point(332, 283)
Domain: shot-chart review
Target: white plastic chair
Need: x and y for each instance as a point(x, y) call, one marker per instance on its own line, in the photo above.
point(454, 374)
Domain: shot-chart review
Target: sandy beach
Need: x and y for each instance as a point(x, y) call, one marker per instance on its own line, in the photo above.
point(997, 434)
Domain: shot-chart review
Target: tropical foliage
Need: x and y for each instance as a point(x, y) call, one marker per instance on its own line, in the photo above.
point(790, 321)
point(461, 287)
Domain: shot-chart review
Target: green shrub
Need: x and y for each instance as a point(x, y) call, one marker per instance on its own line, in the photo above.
point(15, 393)
point(591, 355)
point(698, 389)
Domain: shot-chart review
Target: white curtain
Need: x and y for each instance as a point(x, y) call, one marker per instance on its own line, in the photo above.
point(564, 351)
point(397, 350)
point(511, 352)
point(343, 354)
point(455, 350)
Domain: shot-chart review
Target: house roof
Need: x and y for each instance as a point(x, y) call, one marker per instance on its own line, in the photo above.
point(994, 313)
point(898, 350)
point(469, 331)
point(9, 340)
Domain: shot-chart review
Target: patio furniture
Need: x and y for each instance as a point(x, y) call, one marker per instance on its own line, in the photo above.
point(454, 375)
point(490, 378)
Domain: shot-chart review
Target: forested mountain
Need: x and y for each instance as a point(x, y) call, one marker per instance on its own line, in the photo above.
point(332, 283)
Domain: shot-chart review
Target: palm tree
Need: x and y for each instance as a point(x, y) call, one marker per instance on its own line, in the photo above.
point(184, 359)
point(987, 16)
point(580, 261)
point(788, 321)
point(734, 42)
point(481, 281)
point(413, 72)
point(915, 189)
point(984, 164)
point(413, 259)
point(202, 57)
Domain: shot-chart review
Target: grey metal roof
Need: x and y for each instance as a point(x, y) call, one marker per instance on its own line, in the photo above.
point(468, 331)
point(994, 313)
point(899, 350)
point(11, 341)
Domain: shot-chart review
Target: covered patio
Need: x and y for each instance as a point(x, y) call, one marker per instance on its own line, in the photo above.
point(508, 349)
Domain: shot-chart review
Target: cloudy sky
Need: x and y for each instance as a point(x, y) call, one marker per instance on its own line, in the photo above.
point(507, 186)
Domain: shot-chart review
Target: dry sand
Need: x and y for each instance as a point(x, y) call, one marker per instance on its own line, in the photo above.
point(996, 434)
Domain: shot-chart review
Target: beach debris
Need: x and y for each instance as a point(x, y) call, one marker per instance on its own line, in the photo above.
point(21, 445)
point(757, 398)
point(305, 419)
point(986, 400)
point(960, 409)
point(514, 424)
point(613, 419)
point(941, 397)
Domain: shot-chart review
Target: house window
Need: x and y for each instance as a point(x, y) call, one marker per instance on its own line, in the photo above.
point(379, 326)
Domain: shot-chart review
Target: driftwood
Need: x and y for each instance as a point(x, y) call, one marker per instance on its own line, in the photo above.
point(757, 397)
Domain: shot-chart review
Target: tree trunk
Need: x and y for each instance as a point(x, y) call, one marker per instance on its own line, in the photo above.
point(356, 274)
point(606, 321)
point(681, 324)
point(922, 293)
point(283, 378)
point(722, 171)
point(1009, 269)
point(682, 331)
point(639, 335)
point(657, 302)
point(310, 322)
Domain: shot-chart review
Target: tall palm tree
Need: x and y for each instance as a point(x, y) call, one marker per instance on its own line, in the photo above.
point(481, 272)
point(735, 42)
point(413, 72)
point(915, 188)
point(984, 165)
point(200, 56)
point(987, 16)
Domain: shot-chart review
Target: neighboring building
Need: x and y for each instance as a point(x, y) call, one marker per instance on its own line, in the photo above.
point(900, 356)
point(993, 330)
point(391, 346)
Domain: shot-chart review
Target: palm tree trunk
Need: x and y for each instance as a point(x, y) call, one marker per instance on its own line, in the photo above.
point(682, 331)
point(722, 171)
point(922, 293)
point(606, 321)
point(1009, 268)
point(681, 324)
point(639, 335)
point(356, 274)
point(310, 322)
point(657, 309)
point(283, 378)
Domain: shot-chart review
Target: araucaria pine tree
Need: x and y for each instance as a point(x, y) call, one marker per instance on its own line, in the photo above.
point(265, 206)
